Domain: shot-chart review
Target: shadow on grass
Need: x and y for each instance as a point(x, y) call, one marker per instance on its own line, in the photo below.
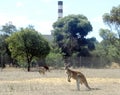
point(86, 90)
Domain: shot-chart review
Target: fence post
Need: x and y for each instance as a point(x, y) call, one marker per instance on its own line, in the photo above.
point(1, 62)
point(80, 61)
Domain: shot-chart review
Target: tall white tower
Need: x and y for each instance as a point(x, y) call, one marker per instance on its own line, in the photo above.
point(60, 9)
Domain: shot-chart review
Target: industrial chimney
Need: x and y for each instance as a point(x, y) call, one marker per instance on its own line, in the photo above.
point(60, 9)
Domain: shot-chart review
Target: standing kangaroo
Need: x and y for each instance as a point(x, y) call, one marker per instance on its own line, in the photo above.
point(78, 76)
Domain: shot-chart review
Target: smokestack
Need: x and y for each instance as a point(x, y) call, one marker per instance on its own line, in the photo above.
point(60, 9)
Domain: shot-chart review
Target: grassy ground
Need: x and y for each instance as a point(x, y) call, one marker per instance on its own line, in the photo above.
point(20, 82)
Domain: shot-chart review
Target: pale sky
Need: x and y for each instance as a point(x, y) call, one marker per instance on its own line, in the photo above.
point(43, 13)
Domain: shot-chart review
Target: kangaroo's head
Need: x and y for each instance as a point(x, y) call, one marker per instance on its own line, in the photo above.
point(67, 66)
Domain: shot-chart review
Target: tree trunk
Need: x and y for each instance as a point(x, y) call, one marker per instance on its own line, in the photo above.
point(28, 67)
point(29, 62)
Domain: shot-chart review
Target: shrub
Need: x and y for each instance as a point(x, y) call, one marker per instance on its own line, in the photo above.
point(55, 60)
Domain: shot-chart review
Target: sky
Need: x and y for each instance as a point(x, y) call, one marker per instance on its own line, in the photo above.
point(43, 13)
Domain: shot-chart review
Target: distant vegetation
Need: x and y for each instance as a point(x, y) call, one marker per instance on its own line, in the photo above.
point(49, 37)
point(67, 43)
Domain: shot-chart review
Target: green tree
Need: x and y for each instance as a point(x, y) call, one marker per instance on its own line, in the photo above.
point(108, 36)
point(107, 48)
point(70, 35)
point(112, 19)
point(109, 40)
point(6, 31)
point(2, 50)
point(27, 44)
point(2, 44)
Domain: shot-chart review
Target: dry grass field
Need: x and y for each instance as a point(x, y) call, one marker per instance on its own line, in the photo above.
point(20, 82)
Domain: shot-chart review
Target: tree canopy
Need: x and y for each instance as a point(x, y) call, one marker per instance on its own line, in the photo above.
point(112, 19)
point(6, 31)
point(106, 34)
point(70, 35)
point(8, 28)
point(27, 44)
point(109, 46)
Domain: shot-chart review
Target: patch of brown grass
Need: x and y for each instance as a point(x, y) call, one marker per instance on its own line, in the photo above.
point(61, 81)
point(55, 83)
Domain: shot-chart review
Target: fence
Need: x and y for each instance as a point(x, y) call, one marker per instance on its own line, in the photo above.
point(91, 62)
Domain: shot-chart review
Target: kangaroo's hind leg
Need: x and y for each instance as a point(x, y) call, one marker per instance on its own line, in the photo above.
point(78, 82)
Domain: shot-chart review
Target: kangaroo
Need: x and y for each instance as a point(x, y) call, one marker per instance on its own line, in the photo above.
point(43, 69)
point(78, 76)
